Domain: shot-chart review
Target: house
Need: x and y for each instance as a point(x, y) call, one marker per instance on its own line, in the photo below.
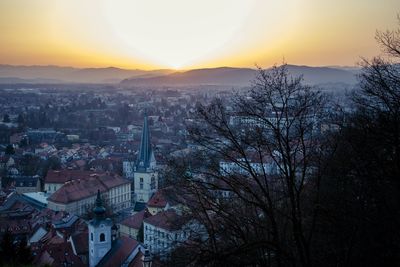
point(80, 246)
point(132, 224)
point(165, 231)
point(78, 196)
point(26, 184)
point(55, 179)
point(55, 250)
point(164, 199)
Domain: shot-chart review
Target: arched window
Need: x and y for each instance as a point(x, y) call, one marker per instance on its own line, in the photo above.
point(91, 236)
point(102, 237)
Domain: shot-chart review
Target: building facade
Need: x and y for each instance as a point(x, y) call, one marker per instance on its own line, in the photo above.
point(78, 196)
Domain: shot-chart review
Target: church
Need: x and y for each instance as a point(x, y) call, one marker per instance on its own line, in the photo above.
point(143, 170)
point(107, 248)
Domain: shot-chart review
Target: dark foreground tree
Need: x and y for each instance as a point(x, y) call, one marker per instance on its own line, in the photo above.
point(13, 252)
point(362, 186)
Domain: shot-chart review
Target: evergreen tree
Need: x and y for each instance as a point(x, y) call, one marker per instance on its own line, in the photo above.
point(6, 118)
point(9, 150)
point(7, 252)
point(24, 253)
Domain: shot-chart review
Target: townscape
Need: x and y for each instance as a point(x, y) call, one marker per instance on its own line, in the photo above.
point(66, 147)
point(143, 133)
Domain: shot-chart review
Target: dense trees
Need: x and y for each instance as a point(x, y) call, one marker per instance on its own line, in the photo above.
point(362, 185)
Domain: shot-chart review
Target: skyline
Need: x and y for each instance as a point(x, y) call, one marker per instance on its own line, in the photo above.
point(182, 34)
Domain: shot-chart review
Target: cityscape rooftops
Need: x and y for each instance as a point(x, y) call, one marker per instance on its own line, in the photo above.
point(83, 188)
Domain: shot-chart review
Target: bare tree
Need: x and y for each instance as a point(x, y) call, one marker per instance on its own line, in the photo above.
point(254, 184)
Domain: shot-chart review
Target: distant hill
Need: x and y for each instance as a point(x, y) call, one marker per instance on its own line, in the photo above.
point(223, 76)
point(241, 77)
point(56, 74)
point(215, 76)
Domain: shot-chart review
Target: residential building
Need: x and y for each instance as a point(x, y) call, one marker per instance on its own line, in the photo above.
point(78, 196)
point(165, 231)
point(131, 225)
point(55, 179)
point(26, 184)
point(164, 199)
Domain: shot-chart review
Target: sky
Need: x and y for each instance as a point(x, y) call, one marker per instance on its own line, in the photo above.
point(183, 34)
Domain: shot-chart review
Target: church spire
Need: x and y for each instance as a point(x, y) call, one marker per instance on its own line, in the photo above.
point(99, 209)
point(145, 150)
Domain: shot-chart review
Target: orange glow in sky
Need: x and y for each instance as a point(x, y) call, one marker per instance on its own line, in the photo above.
point(191, 33)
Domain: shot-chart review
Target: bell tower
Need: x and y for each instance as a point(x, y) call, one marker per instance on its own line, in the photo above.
point(145, 175)
point(99, 233)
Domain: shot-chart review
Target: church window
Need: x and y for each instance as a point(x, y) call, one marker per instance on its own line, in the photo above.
point(153, 182)
point(102, 237)
point(91, 236)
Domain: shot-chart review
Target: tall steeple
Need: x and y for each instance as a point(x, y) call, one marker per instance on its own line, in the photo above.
point(145, 156)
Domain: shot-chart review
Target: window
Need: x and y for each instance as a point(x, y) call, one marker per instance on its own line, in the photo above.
point(153, 182)
point(91, 236)
point(102, 237)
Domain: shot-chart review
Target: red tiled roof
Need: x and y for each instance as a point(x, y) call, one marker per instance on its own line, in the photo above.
point(81, 242)
point(168, 220)
point(120, 251)
point(81, 189)
point(62, 176)
point(158, 200)
point(58, 250)
point(164, 196)
point(136, 220)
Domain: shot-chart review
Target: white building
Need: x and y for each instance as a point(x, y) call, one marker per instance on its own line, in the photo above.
point(78, 196)
point(164, 231)
point(240, 166)
point(100, 239)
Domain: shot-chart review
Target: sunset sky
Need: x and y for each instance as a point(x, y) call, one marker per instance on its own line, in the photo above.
point(183, 34)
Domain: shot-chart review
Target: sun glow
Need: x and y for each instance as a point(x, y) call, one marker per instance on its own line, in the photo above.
point(176, 33)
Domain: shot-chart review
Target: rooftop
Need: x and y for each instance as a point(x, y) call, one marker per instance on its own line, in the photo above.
point(168, 220)
point(136, 220)
point(83, 188)
point(63, 176)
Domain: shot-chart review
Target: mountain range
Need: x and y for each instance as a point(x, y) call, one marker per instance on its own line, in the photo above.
point(222, 76)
